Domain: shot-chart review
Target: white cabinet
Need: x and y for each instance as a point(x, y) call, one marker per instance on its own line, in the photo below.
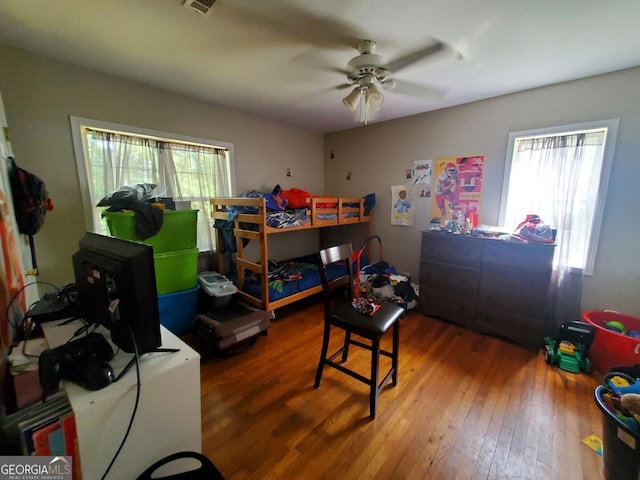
point(167, 419)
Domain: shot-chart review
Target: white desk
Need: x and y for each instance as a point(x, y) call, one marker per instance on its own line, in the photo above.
point(168, 415)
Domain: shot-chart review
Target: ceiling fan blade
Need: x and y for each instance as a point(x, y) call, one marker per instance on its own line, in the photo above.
point(317, 61)
point(415, 90)
point(414, 57)
point(316, 29)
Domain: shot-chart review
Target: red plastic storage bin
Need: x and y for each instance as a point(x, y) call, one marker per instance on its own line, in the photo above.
point(611, 348)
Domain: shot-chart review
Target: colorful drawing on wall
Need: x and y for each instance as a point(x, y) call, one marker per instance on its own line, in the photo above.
point(401, 212)
point(458, 187)
point(422, 177)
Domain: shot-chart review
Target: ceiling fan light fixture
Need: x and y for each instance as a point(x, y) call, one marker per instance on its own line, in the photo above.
point(374, 97)
point(352, 100)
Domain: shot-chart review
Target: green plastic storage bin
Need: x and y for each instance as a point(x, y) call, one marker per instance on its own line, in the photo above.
point(179, 229)
point(176, 271)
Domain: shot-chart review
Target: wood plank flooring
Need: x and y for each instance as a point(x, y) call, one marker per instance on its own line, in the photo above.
point(466, 406)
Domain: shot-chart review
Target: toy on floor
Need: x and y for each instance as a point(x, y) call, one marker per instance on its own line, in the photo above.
point(631, 402)
point(571, 347)
point(622, 397)
point(620, 383)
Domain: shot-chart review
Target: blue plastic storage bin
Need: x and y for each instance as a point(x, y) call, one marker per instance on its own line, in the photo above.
point(178, 310)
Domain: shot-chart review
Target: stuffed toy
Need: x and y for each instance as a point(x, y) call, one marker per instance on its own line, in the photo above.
point(631, 403)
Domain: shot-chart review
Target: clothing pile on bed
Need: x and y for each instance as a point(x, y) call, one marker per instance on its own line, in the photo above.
point(381, 282)
point(378, 282)
point(289, 271)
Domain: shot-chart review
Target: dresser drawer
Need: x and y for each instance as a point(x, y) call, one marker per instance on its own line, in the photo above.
point(452, 249)
point(446, 280)
point(499, 252)
point(517, 279)
point(519, 302)
point(526, 331)
point(461, 313)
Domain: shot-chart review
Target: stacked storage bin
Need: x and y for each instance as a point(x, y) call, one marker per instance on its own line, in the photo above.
point(175, 254)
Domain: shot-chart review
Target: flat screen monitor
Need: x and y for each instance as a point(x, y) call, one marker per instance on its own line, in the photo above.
point(117, 289)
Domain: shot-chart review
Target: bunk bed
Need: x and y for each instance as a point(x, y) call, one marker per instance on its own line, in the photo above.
point(250, 219)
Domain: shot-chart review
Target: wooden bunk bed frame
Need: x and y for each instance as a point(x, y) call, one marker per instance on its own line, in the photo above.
point(345, 210)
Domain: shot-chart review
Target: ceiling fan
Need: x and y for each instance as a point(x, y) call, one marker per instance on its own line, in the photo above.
point(368, 71)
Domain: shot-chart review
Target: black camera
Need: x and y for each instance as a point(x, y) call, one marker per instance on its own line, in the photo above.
point(84, 361)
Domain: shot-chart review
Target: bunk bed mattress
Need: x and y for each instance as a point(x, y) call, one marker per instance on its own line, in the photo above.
point(296, 275)
point(378, 281)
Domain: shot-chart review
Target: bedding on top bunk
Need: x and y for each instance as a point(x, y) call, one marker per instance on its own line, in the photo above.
point(293, 203)
point(279, 219)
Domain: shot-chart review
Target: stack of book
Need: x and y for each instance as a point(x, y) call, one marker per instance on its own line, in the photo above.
point(46, 428)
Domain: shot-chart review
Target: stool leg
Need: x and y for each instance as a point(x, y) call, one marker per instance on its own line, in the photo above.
point(375, 364)
point(345, 347)
point(323, 354)
point(395, 353)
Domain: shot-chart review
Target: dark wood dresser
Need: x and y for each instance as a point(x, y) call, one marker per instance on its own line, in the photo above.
point(487, 285)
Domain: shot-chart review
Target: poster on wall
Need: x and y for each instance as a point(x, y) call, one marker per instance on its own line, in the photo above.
point(457, 187)
point(401, 208)
point(422, 178)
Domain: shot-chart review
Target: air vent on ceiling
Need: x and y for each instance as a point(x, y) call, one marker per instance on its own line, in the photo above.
point(200, 6)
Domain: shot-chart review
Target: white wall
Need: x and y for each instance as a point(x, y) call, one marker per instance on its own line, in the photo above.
point(377, 155)
point(41, 94)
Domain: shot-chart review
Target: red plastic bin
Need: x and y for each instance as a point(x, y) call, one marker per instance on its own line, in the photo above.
point(611, 348)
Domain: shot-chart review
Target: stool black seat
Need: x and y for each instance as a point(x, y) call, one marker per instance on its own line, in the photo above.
point(339, 313)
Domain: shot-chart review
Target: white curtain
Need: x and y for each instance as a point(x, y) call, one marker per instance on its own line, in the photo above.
point(557, 177)
point(205, 177)
point(181, 171)
point(116, 160)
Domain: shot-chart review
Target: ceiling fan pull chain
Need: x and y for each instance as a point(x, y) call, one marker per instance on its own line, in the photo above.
point(363, 107)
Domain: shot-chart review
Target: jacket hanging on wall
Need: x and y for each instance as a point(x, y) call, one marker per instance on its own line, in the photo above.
point(31, 202)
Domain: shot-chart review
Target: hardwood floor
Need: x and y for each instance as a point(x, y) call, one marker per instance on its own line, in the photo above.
point(466, 406)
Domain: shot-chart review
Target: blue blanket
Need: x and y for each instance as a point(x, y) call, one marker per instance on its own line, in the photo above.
point(296, 275)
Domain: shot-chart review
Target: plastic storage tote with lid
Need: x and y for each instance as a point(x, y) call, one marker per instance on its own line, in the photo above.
point(176, 271)
point(218, 287)
point(178, 310)
point(178, 232)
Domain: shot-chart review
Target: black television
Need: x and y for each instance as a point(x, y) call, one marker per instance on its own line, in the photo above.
point(116, 285)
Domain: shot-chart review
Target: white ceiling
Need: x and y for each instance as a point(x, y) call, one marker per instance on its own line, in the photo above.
point(281, 58)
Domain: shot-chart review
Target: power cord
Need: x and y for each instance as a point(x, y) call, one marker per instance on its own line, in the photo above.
point(22, 326)
point(135, 406)
point(15, 295)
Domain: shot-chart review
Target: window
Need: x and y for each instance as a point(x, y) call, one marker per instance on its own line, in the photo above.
point(561, 174)
point(188, 170)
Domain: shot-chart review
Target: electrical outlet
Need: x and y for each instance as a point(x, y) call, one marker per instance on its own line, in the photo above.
point(288, 172)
